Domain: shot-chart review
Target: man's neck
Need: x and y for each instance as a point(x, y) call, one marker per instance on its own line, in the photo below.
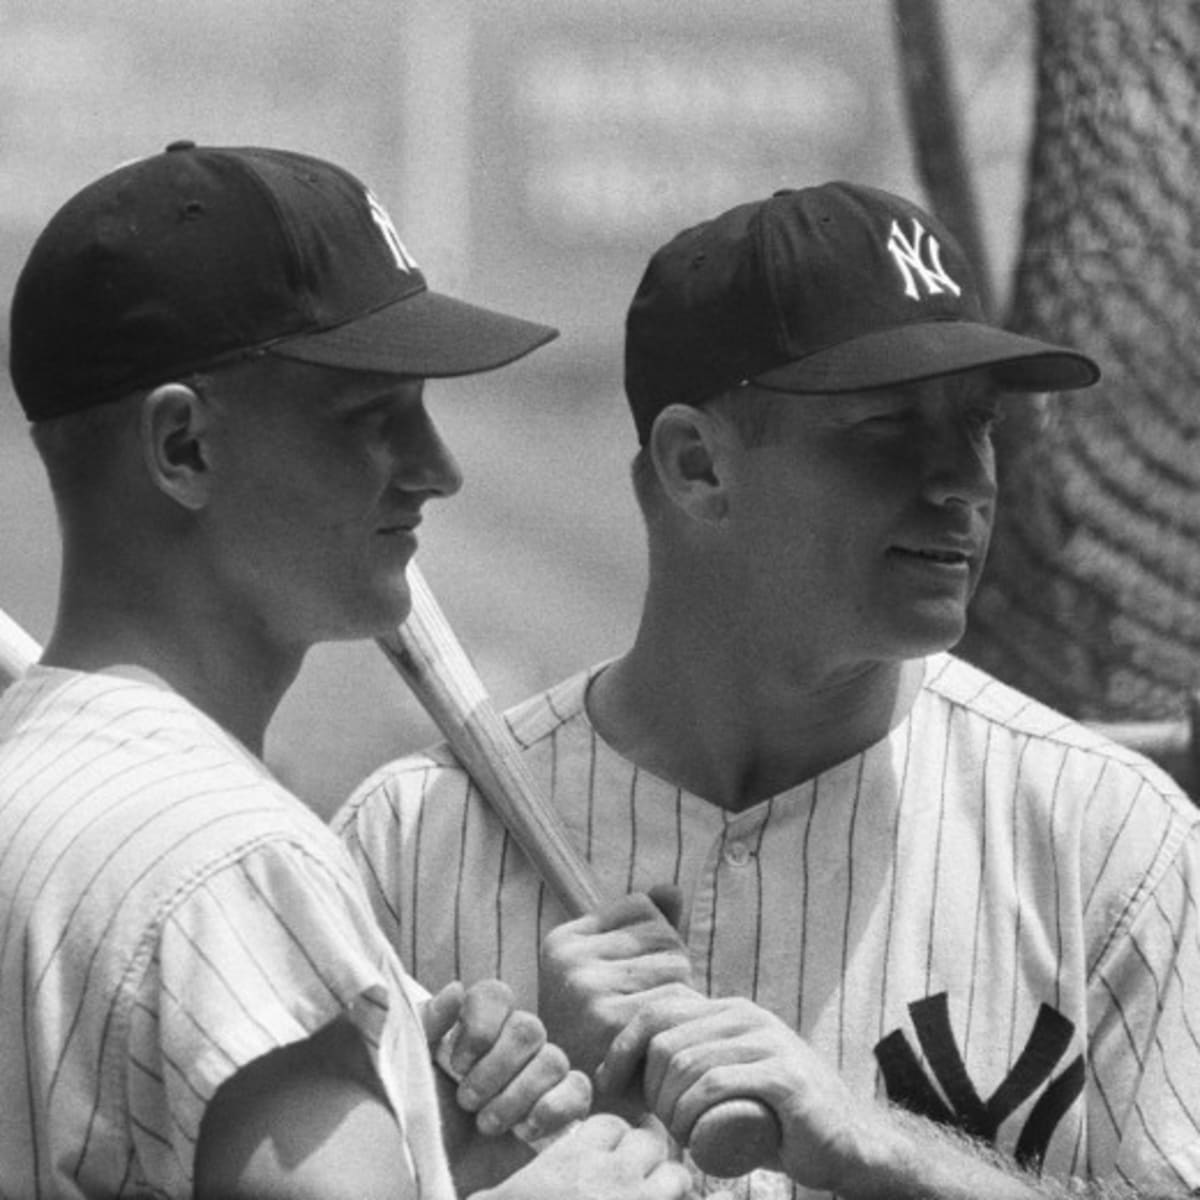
point(237, 684)
point(736, 734)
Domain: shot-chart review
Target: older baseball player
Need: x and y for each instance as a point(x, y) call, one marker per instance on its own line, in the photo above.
point(964, 904)
point(222, 353)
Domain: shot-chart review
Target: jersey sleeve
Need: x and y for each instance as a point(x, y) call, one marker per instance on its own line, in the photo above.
point(370, 826)
point(262, 953)
point(403, 827)
point(1145, 1042)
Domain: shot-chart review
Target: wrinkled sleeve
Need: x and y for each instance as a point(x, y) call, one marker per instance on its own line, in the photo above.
point(1145, 1046)
point(370, 827)
point(411, 831)
point(261, 953)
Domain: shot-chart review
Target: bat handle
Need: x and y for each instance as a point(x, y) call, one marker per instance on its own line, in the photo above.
point(18, 651)
point(734, 1137)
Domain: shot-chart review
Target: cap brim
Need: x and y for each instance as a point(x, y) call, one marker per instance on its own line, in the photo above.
point(928, 350)
point(426, 334)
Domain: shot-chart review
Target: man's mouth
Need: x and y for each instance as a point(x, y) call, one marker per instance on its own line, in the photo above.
point(940, 555)
point(408, 525)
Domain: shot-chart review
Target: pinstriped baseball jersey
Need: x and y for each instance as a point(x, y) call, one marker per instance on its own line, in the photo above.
point(169, 913)
point(990, 915)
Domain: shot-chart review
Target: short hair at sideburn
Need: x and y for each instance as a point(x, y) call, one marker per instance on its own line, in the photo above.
point(755, 416)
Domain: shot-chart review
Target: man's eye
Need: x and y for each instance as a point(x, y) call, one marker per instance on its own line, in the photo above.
point(889, 420)
point(369, 416)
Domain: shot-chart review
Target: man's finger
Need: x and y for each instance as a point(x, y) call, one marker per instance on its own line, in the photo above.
point(441, 1011)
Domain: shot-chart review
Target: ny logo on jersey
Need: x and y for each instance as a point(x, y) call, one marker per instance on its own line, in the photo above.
point(920, 258)
point(379, 215)
point(908, 1085)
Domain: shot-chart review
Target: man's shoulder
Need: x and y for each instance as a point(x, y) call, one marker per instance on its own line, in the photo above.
point(53, 710)
point(90, 760)
point(989, 709)
point(122, 808)
point(548, 714)
point(960, 685)
point(1065, 784)
point(435, 774)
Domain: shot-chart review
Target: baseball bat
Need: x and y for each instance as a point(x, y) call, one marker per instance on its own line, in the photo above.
point(734, 1136)
point(18, 651)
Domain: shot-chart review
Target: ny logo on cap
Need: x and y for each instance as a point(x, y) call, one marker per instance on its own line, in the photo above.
point(920, 258)
point(379, 215)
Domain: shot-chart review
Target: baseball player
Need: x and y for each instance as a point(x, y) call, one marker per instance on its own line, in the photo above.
point(908, 886)
point(222, 353)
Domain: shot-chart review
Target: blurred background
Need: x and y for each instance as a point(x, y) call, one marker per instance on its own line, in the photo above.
point(533, 153)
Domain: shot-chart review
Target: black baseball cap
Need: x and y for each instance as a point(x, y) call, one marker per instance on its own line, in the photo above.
point(836, 288)
point(203, 254)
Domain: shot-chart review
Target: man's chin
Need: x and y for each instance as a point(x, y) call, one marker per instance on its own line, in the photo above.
point(376, 619)
point(932, 633)
point(397, 612)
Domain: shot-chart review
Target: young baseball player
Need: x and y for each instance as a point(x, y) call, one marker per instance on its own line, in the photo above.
point(910, 887)
point(222, 353)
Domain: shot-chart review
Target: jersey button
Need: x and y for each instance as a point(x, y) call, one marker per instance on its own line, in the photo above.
point(737, 854)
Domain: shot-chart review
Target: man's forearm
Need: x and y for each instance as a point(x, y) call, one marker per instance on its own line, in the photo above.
point(920, 1160)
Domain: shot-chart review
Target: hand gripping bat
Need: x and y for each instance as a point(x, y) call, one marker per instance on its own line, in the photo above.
point(734, 1136)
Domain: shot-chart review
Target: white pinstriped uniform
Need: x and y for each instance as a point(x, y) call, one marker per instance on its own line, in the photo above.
point(168, 913)
point(988, 880)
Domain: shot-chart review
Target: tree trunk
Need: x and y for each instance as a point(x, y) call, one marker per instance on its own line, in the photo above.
point(1091, 599)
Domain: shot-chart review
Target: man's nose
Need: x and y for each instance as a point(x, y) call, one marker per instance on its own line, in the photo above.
point(425, 463)
point(959, 466)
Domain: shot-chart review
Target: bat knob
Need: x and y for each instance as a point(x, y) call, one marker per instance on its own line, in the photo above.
point(734, 1137)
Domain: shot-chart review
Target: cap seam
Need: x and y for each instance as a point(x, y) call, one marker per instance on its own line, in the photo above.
point(262, 187)
point(778, 324)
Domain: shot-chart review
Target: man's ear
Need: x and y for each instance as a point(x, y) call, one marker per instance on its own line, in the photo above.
point(686, 445)
point(176, 422)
